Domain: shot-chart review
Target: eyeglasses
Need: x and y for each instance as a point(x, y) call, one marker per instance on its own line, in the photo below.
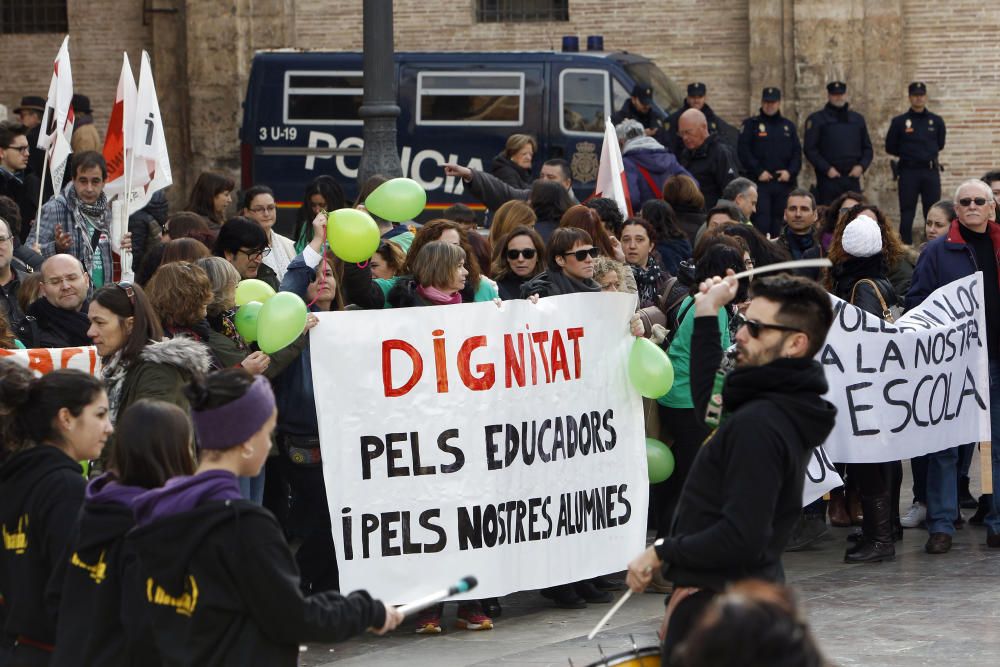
point(260, 210)
point(56, 281)
point(256, 254)
point(129, 292)
point(966, 201)
point(754, 327)
point(22, 149)
point(583, 253)
point(527, 253)
point(4, 239)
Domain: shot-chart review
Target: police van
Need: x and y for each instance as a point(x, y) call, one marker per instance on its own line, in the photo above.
point(300, 116)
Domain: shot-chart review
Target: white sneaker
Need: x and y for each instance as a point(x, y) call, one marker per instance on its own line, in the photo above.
point(915, 516)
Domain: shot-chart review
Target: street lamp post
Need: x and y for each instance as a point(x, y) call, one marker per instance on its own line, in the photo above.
point(379, 109)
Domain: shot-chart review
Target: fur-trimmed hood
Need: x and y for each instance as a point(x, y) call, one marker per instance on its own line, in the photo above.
point(183, 352)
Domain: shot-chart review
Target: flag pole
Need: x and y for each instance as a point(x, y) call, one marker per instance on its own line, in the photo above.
point(126, 256)
point(41, 194)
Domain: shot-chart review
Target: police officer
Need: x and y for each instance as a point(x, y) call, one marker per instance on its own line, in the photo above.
point(837, 144)
point(916, 137)
point(640, 107)
point(771, 154)
point(695, 99)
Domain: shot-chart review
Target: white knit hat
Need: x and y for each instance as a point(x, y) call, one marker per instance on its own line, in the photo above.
point(862, 237)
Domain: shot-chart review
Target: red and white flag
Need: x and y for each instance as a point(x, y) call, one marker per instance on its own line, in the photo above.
point(611, 172)
point(148, 142)
point(57, 122)
point(118, 139)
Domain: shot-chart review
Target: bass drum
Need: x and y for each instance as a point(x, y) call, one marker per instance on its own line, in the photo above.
point(648, 656)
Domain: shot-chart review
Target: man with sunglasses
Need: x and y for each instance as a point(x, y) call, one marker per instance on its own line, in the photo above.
point(743, 494)
point(972, 244)
point(243, 243)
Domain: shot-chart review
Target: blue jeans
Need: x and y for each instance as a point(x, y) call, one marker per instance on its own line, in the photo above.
point(252, 488)
point(943, 469)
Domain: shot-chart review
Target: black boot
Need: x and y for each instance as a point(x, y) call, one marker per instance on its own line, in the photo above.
point(878, 546)
point(982, 510)
point(895, 483)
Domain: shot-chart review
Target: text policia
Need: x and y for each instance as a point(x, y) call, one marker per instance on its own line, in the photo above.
point(528, 358)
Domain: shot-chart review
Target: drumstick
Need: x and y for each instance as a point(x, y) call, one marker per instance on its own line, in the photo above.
point(463, 586)
point(611, 612)
point(781, 266)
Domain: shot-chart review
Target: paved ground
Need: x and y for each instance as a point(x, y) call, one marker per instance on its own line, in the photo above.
point(918, 610)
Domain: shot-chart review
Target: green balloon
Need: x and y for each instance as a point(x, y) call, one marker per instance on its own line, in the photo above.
point(280, 322)
point(246, 320)
point(252, 289)
point(352, 234)
point(659, 460)
point(398, 200)
point(649, 369)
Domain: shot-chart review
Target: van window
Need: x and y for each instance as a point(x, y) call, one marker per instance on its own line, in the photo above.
point(583, 98)
point(470, 98)
point(323, 98)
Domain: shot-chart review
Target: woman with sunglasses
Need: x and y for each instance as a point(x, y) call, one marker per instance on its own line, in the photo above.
point(517, 259)
point(569, 259)
point(861, 251)
point(137, 361)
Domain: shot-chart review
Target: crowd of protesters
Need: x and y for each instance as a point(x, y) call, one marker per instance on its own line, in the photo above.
point(189, 504)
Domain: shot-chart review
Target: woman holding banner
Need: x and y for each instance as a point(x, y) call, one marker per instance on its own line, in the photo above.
point(517, 258)
point(861, 251)
point(48, 425)
point(103, 619)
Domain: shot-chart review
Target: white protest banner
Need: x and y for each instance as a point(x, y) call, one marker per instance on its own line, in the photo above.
point(47, 359)
point(821, 477)
point(502, 442)
point(912, 387)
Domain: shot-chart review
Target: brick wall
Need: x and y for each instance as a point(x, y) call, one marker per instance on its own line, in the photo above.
point(99, 31)
point(705, 40)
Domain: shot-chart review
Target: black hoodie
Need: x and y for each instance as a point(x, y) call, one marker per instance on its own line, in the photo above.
point(223, 588)
point(42, 490)
point(103, 619)
point(744, 491)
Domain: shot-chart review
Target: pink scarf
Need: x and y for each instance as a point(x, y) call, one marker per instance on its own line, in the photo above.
point(436, 296)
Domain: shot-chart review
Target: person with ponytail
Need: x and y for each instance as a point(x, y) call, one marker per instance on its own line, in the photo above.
point(49, 425)
point(219, 579)
point(102, 616)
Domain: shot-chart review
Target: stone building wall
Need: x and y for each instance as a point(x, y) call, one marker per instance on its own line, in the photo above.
point(202, 52)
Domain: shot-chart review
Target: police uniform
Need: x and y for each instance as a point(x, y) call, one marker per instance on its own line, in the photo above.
point(728, 134)
point(650, 120)
point(837, 137)
point(770, 143)
point(916, 138)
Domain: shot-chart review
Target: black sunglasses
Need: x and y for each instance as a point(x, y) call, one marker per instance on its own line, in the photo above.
point(980, 201)
point(527, 253)
point(582, 254)
point(754, 327)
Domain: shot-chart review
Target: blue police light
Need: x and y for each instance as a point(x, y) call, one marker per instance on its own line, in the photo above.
point(595, 43)
point(570, 44)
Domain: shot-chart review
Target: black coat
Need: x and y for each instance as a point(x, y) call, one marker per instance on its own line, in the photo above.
point(554, 283)
point(510, 173)
point(838, 138)
point(23, 189)
point(717, 127)
point(103, 616)
point(915, 138)
point(41, 490)
point(248, 610)
point(770, 143)
point(847, 285)
point(713, 165)
point(743, 494)
point(45, 325)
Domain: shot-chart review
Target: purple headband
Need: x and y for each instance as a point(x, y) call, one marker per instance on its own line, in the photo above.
point(234, 423)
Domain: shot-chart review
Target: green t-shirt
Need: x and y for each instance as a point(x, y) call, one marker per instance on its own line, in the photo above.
point(679, 395)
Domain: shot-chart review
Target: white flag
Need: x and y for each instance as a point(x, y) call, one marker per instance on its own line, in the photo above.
point(118, 139)
point(611, 173)
point(57, 107)
point(148, 141)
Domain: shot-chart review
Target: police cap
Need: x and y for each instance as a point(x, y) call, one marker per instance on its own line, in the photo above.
point(771, 95)
point(836, 87)
point(697, 89)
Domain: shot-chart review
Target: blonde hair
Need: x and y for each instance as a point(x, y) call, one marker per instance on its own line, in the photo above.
point(222, 276)
point(514, 213)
